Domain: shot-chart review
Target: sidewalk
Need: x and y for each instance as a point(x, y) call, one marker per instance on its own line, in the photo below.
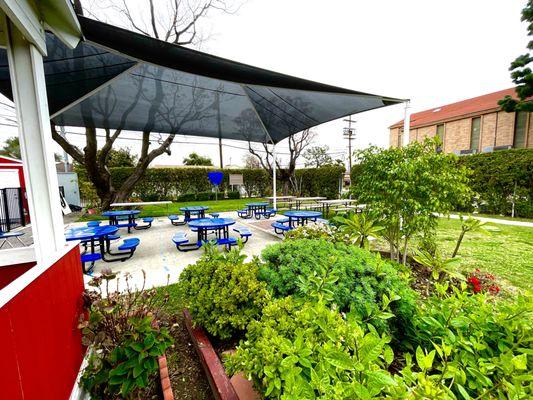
point(498, 221)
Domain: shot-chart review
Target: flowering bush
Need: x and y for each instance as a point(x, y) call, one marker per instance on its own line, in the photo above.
point(482, 282)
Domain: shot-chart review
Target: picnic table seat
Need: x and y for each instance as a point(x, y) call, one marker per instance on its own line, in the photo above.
point(281, 228)
point(127, 248)
point(243, 214)
point(283, 220)
point(4, 236)
point(322, 221)
point(227, 242)
point(147, 223)
point(93, 223)
point(175, 220)
point(267, 213)
point(89, 258)
point(215, 215)
point(180, 239)
point(244, 232)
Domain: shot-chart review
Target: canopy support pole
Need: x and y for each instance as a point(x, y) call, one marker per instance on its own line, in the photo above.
point(274, 189)
point(406, 124)
point(29, 94)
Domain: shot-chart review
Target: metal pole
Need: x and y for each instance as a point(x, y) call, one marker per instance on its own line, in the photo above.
point(220, 152)
point(406, 124)
point(274, 189)
point(65, 154)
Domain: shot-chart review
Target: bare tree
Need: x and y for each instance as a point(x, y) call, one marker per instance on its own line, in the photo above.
point(175, 21)
point(297, 144)
point(250, 161)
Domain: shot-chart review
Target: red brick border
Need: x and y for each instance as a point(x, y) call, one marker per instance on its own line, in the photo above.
point(165, 380)
point(216, 375)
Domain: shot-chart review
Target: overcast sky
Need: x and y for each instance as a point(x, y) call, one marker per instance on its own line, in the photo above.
point(432, 52)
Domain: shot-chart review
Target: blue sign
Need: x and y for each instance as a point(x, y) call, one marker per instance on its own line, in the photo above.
point(215, 177)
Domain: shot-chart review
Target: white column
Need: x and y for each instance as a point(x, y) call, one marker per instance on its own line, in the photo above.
point(274, 189)
point(29, 94)
point(406, 124)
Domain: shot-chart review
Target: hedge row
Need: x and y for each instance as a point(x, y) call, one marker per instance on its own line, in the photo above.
point(497, 179)
point(174, 183)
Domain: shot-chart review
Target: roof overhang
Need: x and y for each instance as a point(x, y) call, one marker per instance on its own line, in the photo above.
point(33, 17)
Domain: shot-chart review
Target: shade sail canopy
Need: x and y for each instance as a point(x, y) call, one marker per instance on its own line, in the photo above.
point(119, 79)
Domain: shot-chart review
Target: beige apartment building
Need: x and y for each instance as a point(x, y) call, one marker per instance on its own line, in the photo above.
point(470, 126)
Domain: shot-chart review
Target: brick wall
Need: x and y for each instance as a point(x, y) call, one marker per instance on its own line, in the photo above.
point(457, 133)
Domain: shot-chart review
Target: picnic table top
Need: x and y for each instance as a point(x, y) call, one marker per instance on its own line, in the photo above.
point(281, 197)
point(211, 223)
point(309, 198)
point(90, 232)
point(118, 213)
point(338, 201)
point(302, 214)
point(194, 208)
point(140, 203)
point(257, 204)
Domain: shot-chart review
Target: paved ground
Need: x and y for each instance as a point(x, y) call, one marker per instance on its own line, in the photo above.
point(160, 259)
point(499, 221)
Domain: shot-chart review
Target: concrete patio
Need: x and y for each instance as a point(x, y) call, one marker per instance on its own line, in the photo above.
point(158, 257)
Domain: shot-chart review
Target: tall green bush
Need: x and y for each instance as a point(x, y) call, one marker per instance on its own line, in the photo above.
point(361, 277)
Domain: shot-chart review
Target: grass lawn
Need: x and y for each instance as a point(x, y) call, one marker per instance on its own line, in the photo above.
point(508, 254)
point(174, 208)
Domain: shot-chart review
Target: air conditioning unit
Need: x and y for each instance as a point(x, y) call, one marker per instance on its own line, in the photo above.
point(504, 147)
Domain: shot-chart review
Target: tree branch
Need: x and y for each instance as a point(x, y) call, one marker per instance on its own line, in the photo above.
point(71, 150)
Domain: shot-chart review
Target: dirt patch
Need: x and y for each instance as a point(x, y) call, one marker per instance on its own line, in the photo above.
point(185, 371)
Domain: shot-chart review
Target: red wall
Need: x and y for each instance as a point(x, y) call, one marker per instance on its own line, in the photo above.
point(18, 165)
point(12, 272)
point(41, 350)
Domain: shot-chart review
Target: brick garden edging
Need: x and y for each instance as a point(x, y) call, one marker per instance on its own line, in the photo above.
point(166, 389)
point(216, 375)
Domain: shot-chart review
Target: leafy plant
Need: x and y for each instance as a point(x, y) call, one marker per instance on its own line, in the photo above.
point(222, 292)
point(470, 225)
point(360, 226)
point(439, 265)
point(362, 278)
point(124, 340)
point(318, 354)
point(479, 348)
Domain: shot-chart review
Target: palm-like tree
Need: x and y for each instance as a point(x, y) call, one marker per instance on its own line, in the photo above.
point(359, 226)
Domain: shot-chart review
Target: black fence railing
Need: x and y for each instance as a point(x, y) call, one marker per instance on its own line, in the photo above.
point(11, 209)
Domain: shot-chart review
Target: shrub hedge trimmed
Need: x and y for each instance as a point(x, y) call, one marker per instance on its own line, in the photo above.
point(191, 183)
point(496, 178)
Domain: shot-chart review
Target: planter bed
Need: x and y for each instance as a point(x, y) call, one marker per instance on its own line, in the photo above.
point(224, 388)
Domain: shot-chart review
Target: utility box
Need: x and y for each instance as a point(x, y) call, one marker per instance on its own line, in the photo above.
point(68, 185)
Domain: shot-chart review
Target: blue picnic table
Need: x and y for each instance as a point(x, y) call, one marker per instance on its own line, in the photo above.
point(257, 209)
point(300, 218)
point(115, 218)
point(203, 227)
point(198, 211)
point(96, 236)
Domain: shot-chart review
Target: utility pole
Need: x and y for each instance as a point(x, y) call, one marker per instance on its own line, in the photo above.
point(65, 154)
point(349, 133)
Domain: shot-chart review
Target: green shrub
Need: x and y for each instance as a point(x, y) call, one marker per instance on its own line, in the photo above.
point(234, 195)
point(186, 197)
point(222, 292)
point(362, 277)
point(124, 341)
point(308, 351)
point(473, 345)
point(205, 196)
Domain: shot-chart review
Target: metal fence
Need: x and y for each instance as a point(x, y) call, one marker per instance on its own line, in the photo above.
point(11, 209)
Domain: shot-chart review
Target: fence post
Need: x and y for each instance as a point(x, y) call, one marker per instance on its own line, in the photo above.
point(6, 210)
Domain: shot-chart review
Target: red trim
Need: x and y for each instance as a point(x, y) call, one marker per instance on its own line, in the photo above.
point(218, 380)
point(41, 343)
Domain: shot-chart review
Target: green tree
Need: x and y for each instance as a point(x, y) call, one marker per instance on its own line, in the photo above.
point(317, 156)
point(11, 148)
point(195, 159)
point(121, 157)
point(407, 187)
point(520, 72)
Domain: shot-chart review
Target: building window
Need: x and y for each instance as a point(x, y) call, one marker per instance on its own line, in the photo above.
point(520, 129)
point(440, 135)
point(474, 133)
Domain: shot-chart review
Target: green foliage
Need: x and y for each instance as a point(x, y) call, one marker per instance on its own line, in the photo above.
point(440, 266)
point(195, 159)
point(308, 351)
point(323, 181)
point(360, 227)
point(471, 225)
point(222, 292)
point(470, 346)
point(234, 195)
point(520, 72)
point(11, 148)
point(124, 341)
point(407, 187)
point(121, 157)
point(361, 278)
point(500, 178)
point(317, 156)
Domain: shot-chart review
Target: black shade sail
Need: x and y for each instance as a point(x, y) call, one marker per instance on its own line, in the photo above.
point(119, 79)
